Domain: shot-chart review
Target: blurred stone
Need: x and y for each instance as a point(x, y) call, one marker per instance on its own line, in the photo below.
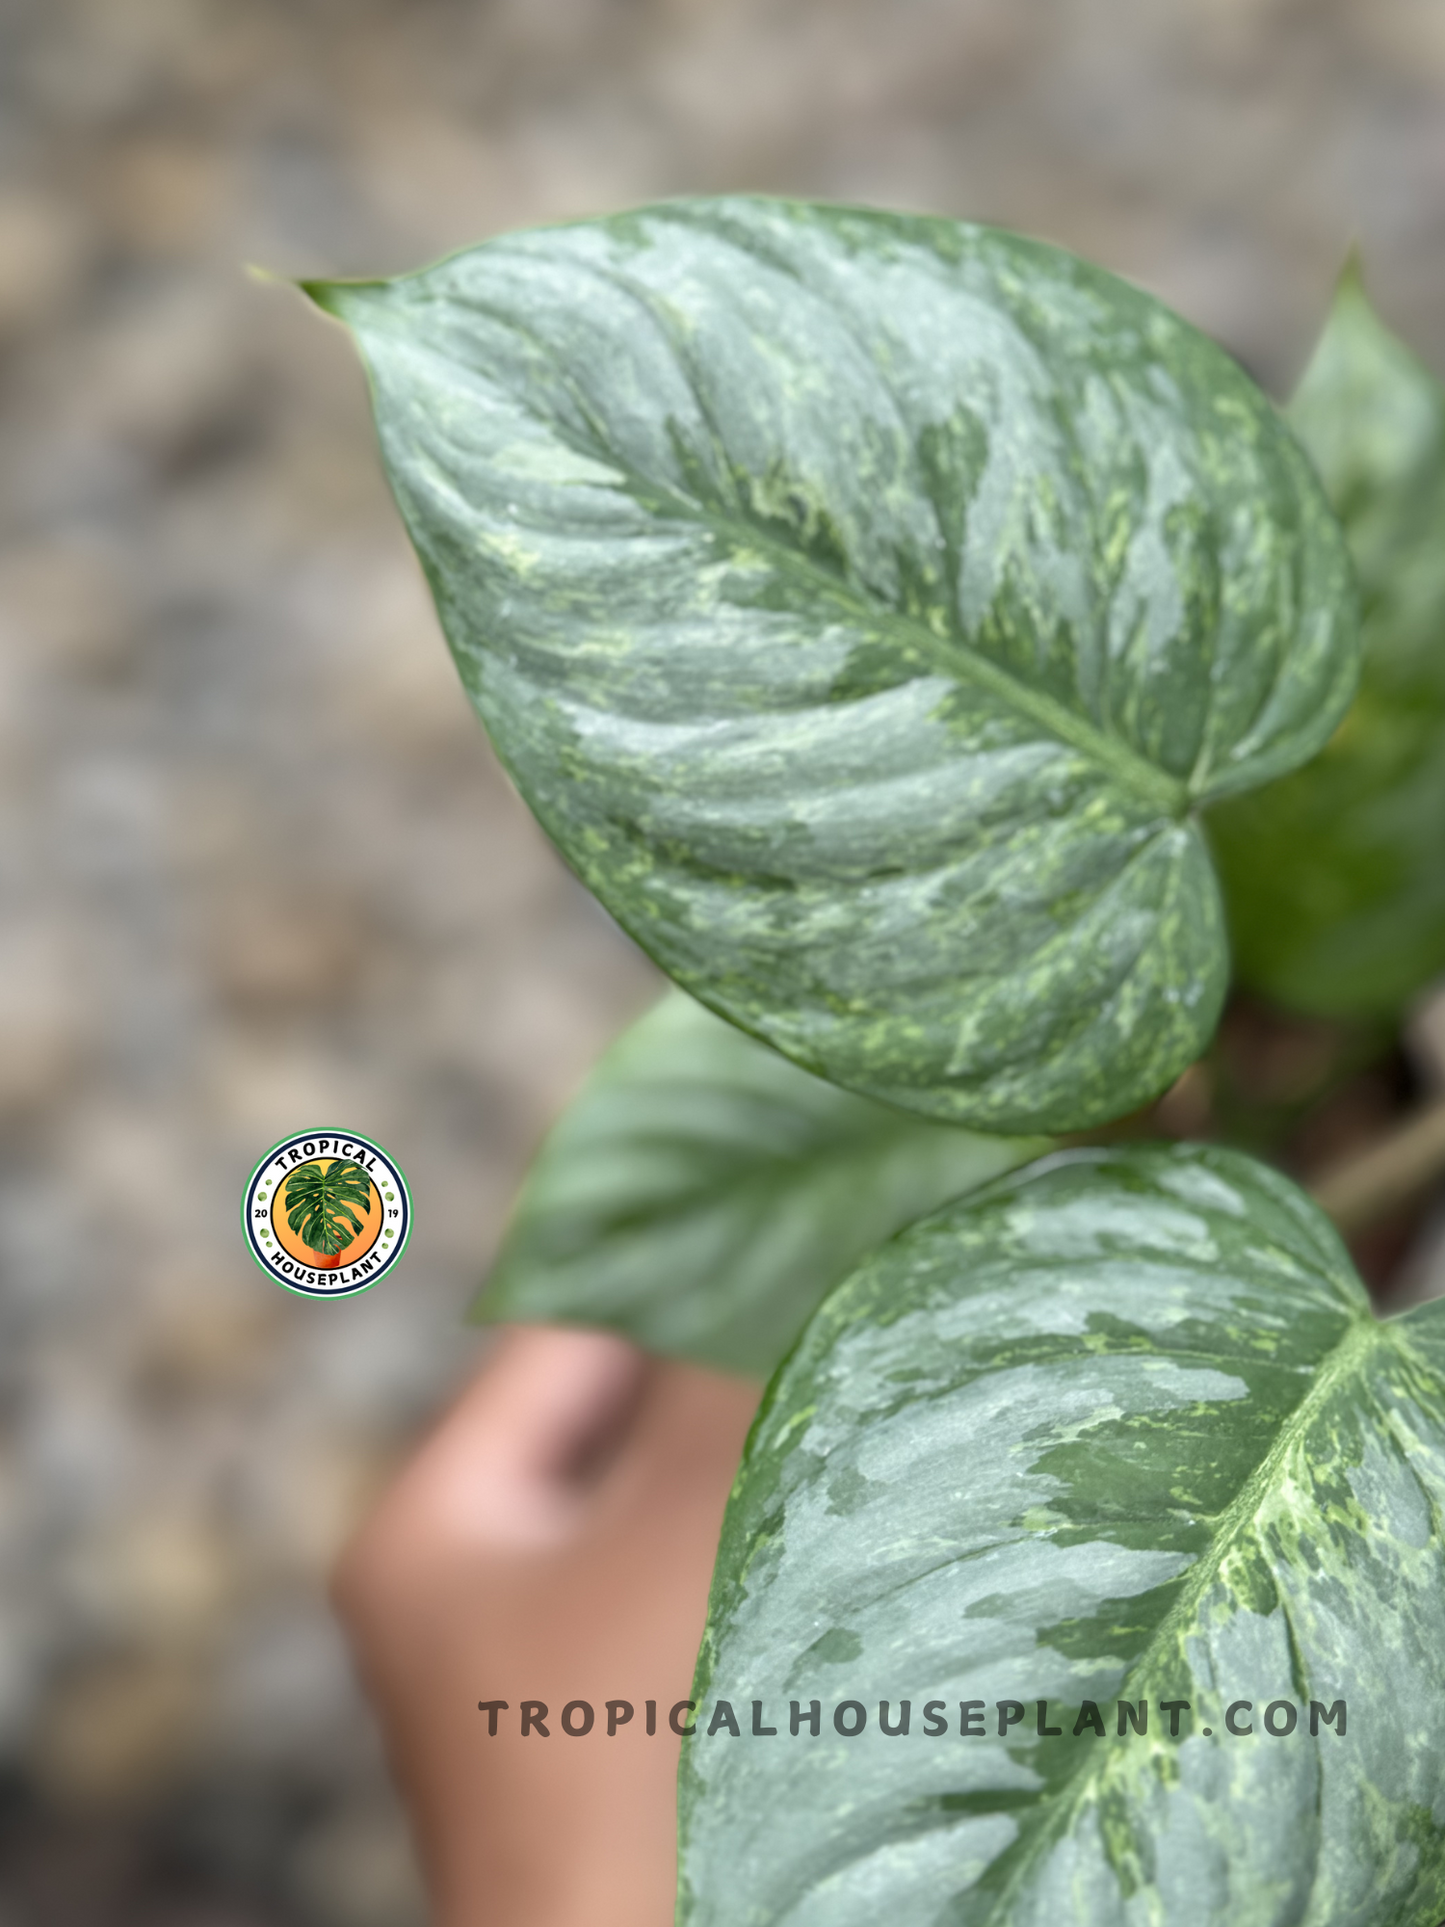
point(208, 1340)
point(158, 376)
point(275, 944)
point(125, 1153)
point(117, 1731)
point(258, 1086)
point(357, 1869)
point(282, 1695)
point(164, 195)
point(43, 254)
point(46, 1019)
point(67, 605)
point(158, 1576)
point(314, 1501)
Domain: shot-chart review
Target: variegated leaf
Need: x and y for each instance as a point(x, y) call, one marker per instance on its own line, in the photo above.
point(1121, 1428)
point(865, 604)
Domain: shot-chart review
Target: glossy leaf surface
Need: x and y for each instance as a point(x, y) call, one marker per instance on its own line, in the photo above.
point(702, 1194)
point(863, 603)
point(1121, 1427)
point(1335, 877)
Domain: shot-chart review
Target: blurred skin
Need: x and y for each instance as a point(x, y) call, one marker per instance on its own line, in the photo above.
point(552, 1539)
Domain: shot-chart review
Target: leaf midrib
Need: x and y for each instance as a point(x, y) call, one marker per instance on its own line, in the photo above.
point(1363, 1334)
point(954, 657)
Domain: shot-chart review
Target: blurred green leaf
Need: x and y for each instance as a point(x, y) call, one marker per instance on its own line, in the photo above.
point(1335, 876)
point(702, 1193)
point(1120, 1428)
point(864, 602)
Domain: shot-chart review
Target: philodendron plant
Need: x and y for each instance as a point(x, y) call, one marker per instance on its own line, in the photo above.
point(939, 656)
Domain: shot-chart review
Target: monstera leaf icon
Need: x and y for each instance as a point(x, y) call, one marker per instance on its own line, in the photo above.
point(319, 1198)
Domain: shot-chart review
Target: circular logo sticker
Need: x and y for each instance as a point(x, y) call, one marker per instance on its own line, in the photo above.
point(326, 1213)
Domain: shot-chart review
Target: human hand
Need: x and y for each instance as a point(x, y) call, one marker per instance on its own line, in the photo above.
point(552, 1540)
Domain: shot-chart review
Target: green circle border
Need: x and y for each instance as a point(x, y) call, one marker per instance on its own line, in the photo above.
point(303, 1291)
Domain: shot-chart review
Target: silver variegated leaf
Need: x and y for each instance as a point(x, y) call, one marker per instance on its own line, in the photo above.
point(1121, 1428)
point(865, 604)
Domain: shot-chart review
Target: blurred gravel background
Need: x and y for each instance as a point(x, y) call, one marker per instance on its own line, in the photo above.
point(258, 867)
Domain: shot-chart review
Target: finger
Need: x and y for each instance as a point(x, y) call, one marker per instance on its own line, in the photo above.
point(517, 1459)
point(447, 1610)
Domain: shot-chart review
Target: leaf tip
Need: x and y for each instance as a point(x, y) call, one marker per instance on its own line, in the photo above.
point(1350, 285)
point(343, 300)
point(1352, 268)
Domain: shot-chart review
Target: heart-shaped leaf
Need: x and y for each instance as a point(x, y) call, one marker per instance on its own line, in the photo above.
point(1335, 877)
point(1120, 1429)
point(863, 603)
point(702, 1193)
